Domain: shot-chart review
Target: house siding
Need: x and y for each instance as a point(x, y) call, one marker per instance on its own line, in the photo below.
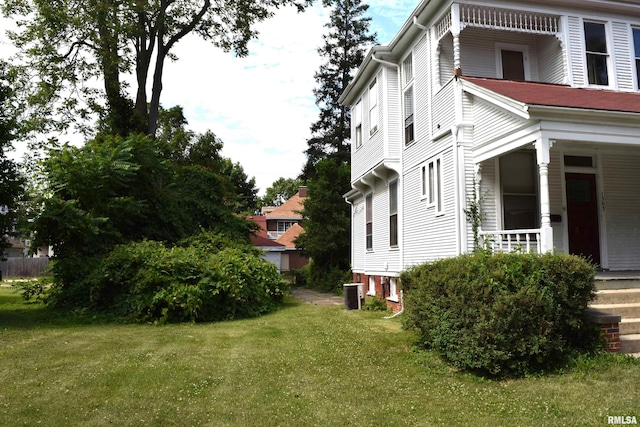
point(443, 115)
point(489, 193)
point(382, 256)
point(622, 209)
point(392, 107)
point(551, 59)
point(491, 122)
point(556, 183)
point(358, 242)
point(427, 236)
point(372, 150)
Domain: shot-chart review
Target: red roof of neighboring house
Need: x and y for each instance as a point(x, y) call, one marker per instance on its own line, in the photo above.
point(291, 208)
point(289, 236)
point(263, 241)
point(562, 96)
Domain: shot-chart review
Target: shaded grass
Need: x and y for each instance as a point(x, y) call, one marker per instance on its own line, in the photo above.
point(303, 365)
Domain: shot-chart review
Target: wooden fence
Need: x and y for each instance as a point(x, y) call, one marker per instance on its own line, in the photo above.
point(23, 267)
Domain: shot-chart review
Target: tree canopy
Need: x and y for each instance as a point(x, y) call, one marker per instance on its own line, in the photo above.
point(280, 191)
point(67, 44)
point(11, 183)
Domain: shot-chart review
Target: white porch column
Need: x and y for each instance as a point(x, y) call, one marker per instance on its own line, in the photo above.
point(546, 232)
point(455, 32)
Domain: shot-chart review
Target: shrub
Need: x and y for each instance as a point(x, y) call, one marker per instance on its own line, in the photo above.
point(327, 278)
point(151, 282)
point(375, 303)
point(503, 314)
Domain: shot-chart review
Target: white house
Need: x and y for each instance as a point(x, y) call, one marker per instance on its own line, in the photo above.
point(535, 102)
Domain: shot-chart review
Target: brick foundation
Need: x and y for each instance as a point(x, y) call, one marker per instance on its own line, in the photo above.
point(609, 328)
point(381, 289)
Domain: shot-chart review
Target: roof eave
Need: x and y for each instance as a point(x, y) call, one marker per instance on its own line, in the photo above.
point(555, 113)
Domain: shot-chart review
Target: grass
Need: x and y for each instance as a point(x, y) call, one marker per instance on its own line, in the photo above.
point(303, 365)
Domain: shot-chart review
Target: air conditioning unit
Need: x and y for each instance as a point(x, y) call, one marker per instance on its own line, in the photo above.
point(353, 296)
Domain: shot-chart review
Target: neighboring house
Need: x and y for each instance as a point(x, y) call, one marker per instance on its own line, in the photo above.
point(537, 103)
point(279, 227)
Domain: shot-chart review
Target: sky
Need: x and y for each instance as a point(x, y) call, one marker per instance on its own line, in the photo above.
point(260, 106)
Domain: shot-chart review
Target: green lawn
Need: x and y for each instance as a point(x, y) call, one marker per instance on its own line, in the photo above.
point(304, 365)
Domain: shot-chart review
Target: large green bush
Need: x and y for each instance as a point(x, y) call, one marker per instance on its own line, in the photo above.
point(151, 282)
point(502, 314)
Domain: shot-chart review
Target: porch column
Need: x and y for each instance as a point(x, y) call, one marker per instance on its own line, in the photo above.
point(455, 32)
point(546, 232)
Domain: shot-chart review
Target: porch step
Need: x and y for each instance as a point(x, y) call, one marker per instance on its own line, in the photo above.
point(630, 343)
point(630, 326)
point(629, 310)
point(617, 296)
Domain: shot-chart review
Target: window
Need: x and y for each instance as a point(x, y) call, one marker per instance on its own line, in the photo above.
point(431, 176)
point(423, 181)
point(636, 43)
point(393, 288)
point(512, 65)
point(408, 116)
point(369, 221)
point(284, 225)
point(393, 213)
point(372, 285)
point(373, 107)
point(407, 80)
point(518, 176)
point(357, 120)
point(595, 37)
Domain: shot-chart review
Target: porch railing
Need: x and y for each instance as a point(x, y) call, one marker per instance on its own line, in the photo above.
point(512, 240)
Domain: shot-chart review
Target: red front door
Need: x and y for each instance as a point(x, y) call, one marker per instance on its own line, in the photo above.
point(582, 216)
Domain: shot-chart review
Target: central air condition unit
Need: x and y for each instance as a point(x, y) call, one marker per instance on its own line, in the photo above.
point(353, 296)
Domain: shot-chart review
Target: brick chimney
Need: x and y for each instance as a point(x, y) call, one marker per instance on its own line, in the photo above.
point(302, 192)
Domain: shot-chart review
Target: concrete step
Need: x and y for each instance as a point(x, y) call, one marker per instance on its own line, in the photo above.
point(631, 310)
point(630, 343)
point(617, 296)
point(629, 326)
point(612, 281)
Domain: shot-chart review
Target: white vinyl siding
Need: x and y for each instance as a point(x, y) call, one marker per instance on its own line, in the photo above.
point(381, 258)
point(551, 66)
point(489, 195)
point(442, 109)
point(358, 232)
point(622, 203)
point(427, 236)
point(491, 122)
point(391, 104)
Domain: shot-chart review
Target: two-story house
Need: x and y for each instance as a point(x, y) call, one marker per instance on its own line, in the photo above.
point(279, 227)
point(536, 103)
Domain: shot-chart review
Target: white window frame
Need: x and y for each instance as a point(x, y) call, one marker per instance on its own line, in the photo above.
point(368, 214)
point(372, 286)
point(433, 190)
point(635, 53)
point(607, 54)
point(515, 48)
point(286, 225)
point(394, 213)
point(373, 107)
point(357, 123)
point(393, 289)
point(408, 99)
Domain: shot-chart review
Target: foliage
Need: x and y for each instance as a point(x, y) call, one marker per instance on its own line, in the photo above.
point(112, 191)
point(34, 290)
point(280, 191)
point(475, 215)
point(151, 282)
point(67, 44)
point(11, 182)
point(343, 50)
point(375, 303)
point(326, 226)
point(502, 314)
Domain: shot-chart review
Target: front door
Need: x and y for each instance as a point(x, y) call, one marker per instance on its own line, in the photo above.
point(582, 216)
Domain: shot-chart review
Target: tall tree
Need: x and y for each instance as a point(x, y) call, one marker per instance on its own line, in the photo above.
point(344, 50)
point(11, 183)
point(68, 43)
point(327, 171)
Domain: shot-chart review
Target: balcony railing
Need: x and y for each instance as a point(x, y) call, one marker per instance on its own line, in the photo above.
point(511, 20)
point(512, 240)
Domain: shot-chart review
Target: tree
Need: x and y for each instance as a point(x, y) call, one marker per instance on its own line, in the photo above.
point(327, 225)
point(344, 50)
point(280, 191)
point(327, 171)
point(11, 182)
point(70, 43)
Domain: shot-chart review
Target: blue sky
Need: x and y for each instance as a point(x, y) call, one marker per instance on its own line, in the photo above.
point(261, 106)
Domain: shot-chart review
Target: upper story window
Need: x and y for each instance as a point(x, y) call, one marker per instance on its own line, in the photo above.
point(595, 37)
point(407, 99)
point(636, 44)
point(357, 121)
point(285, 225)
point(373, 107)
point(393, 213)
